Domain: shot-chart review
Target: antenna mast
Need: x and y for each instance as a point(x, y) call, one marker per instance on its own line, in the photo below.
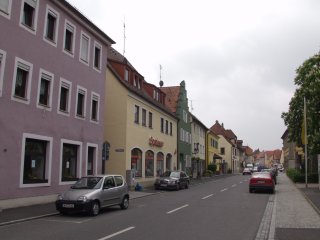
point(124, 36)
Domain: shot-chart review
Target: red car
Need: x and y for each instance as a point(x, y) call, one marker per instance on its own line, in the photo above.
point(261, 181)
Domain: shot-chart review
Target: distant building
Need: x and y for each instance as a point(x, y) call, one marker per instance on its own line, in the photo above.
point(198, 145)
point(290, 154)
point(229, 146)
point(52, 82)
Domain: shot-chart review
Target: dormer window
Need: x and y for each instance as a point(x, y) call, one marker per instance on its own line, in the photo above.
point(126, 75)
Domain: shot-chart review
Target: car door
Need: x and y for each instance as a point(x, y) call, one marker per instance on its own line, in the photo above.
point(109, 192)
point(183, 179)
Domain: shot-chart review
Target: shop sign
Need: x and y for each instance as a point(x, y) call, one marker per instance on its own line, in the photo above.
point(155, 142)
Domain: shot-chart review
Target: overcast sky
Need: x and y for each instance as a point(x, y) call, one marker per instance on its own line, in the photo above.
point(237, 57)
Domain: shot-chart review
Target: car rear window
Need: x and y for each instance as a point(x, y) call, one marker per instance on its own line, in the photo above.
point(119, 180)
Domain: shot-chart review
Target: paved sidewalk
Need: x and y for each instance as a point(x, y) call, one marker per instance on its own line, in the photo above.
point(293, 216)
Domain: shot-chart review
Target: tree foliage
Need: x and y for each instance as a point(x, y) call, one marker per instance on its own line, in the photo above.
point(307, 81)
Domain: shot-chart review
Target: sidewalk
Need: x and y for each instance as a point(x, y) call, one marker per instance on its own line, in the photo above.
point(295, 213)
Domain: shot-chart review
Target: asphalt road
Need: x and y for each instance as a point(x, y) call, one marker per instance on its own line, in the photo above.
point(220, 209)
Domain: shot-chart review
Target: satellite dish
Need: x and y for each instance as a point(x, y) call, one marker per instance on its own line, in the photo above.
point(161, 83)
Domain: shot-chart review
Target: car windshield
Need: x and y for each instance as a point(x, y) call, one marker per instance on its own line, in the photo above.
point(175, 174)
point(88, 183)
point(171, 174)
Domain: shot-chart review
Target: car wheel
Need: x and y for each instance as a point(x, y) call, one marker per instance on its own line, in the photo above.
point(125, 202)
point(178, 187)
point(95, 208)
point(187, 185)
point(250, 190)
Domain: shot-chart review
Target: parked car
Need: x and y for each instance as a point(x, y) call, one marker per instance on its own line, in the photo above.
point(280, 168)
point(273, 172)
point(91, 193)
point(261, 181)
point(246, 171)
point(255, 169)
point(172, 180)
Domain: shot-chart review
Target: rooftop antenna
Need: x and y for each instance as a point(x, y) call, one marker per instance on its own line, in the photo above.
point(161, 82)
point(124, 36)
point(191, 106)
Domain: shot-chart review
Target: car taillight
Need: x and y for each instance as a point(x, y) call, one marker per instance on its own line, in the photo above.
point(253, 180)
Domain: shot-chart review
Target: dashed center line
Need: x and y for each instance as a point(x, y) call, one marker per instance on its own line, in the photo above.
point(177, 209)
point(225, 189)
point(207, 197)
point(234, 185)
point(240, 182)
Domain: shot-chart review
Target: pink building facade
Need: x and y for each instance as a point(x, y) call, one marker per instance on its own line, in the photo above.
point(52, 81)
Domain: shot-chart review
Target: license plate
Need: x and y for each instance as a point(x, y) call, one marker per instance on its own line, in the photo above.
point(261, 182)
point(163, 185)
point(65, 205)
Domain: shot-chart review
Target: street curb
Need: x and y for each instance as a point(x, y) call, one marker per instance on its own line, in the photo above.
point(28, 219)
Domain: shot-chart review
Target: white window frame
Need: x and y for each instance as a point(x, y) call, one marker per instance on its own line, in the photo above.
point(69, 85)
point(29, 67)
point(3, 56)
point(53, 12)
point(69, 25)
point(79, 90)
point(95, 164)
point(95, 96)
point(85, 61)
point(32, 29)
point(8, 13)
point(79, 163)
point(49, 77)
point(49, 155)
point(97, 45)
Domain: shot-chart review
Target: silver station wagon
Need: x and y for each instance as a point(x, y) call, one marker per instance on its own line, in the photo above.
point(91, 193)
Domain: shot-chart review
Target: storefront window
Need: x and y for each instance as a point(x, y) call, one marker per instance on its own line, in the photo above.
point(149, 161)
point(168, 162)
point(69, 162)
point(160, 163)
point(35, 161)
point(136, 161)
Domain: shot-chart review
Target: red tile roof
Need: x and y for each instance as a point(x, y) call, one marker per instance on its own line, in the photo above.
point(172, 97)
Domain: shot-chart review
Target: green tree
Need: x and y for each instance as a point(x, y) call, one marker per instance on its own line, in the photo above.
point(307, 81)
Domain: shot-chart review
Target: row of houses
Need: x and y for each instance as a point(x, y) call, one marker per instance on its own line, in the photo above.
point(71, 105)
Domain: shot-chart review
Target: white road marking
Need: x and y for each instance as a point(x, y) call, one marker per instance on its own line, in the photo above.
point(66, 221)
point(234, 185)
point(240, 182)
point(207, 197)
point(117, 233)
point(174, 210)
point(225, 189)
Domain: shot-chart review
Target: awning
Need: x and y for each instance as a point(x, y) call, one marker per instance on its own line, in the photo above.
point(217, 156)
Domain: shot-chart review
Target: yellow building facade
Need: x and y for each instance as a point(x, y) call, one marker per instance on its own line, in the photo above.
point(141, 136)
point(213, 154)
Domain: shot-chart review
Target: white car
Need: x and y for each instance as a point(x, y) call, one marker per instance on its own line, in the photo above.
point(246, 171)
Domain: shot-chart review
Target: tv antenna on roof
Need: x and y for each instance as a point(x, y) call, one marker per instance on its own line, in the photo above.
point(191, 106)
point(124, 36)
point(161, 82)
